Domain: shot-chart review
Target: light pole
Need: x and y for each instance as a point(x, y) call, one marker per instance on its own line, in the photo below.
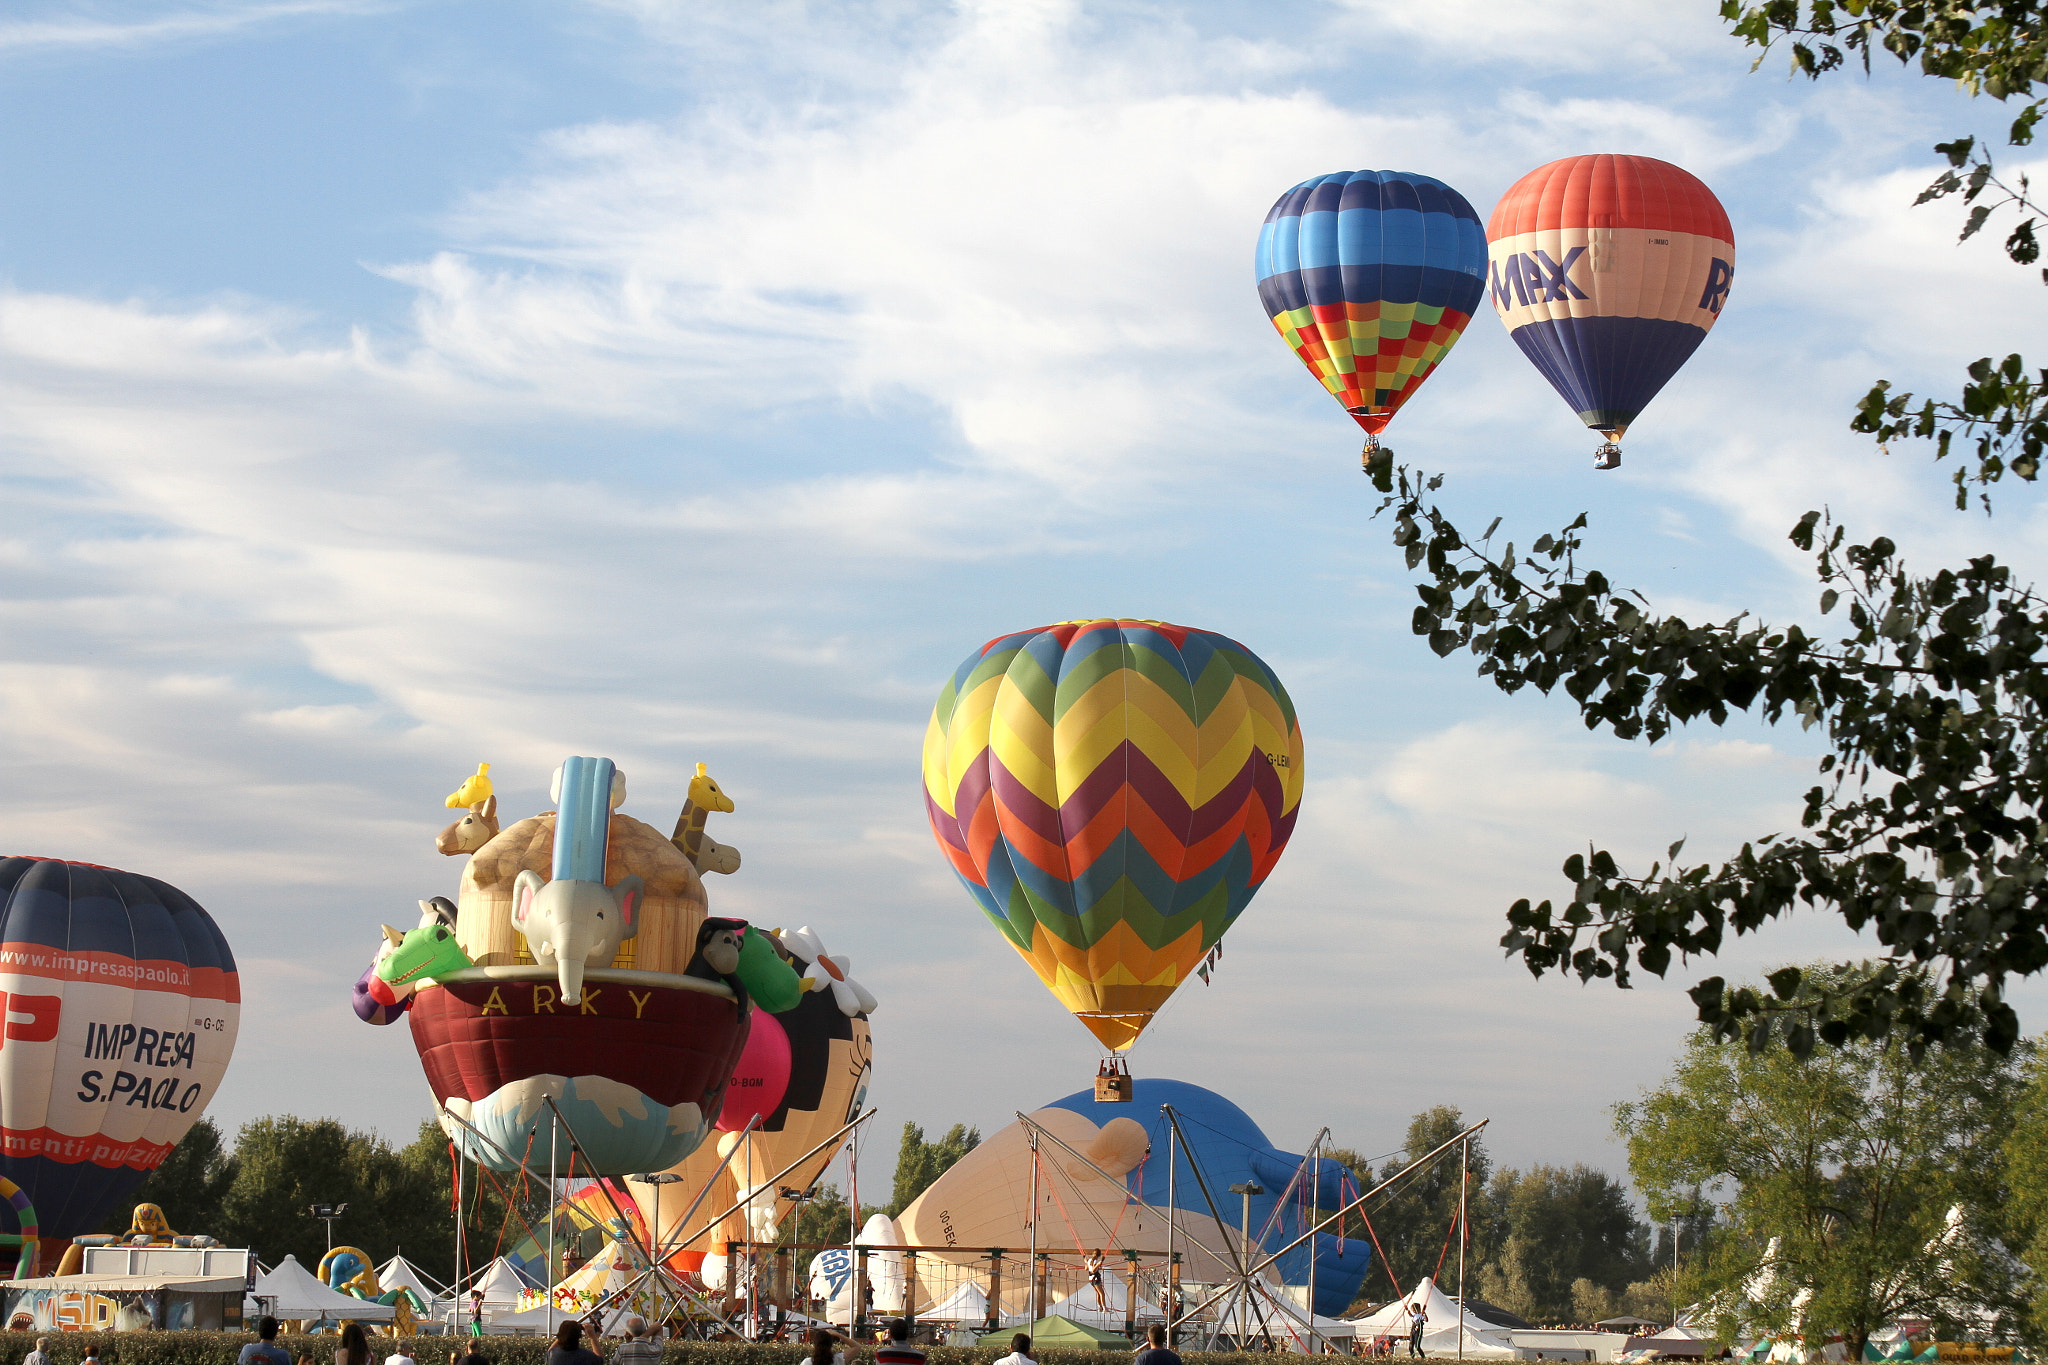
point(327, 1213)
point(657, 1179)
point(1244, 1290)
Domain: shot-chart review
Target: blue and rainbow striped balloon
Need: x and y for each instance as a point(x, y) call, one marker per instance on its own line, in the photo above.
point(1371, 277)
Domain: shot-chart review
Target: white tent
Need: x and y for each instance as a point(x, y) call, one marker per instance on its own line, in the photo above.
point(399, 1273)
point(299, 1294)
point(966, 1304)
point(1440, 1337)
point(1079, 1306)
point(501, 1286)
point(832, 1272)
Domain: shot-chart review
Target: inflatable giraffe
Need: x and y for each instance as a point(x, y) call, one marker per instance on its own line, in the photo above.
point(705, 854)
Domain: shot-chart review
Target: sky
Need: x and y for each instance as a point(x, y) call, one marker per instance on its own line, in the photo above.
point(388, 386)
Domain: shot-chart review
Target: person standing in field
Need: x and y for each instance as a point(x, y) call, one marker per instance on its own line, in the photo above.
point(1155, 1350)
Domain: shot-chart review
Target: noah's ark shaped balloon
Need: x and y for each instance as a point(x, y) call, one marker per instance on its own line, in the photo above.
point(579, 964)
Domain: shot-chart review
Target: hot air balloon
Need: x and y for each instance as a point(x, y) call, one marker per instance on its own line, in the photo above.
point(1608, 271)
point(1370, 277)
point(1112, 793)
point(572, 986)
point(121, 1007)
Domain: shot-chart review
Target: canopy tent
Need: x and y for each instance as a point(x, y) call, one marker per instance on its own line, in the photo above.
point(1054, 1330)
point(1079, 1306)
point(1450, 1331)
point(501, 1285)
point(298, 1293)
point(968, 1303)
point(399, 1273)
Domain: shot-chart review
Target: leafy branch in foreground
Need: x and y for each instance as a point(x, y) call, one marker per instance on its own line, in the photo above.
point(1996, 49)
point(1927, 826)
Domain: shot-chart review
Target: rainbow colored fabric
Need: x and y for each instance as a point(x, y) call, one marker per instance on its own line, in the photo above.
point(1371, 277)
point(1609, 271)
point(1112, 793)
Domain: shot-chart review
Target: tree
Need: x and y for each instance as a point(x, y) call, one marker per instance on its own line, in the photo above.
point(1925, 825)
point(2026, 1212)
point(1839, 1172)
point(285, 1165)
point(189, 1186)
point(1561, 1229)
point(919, 1163)
point(1413, 1221)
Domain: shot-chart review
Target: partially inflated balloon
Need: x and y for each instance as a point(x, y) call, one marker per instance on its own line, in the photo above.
point(121, 1006)
point(1370, 277)
point(1112, 793)
point(1609, 271)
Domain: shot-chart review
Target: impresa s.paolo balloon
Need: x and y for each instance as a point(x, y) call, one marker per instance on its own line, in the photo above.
point(1609, 271)
point(1112, 793)
point(121, 1007)
point(1370, 277)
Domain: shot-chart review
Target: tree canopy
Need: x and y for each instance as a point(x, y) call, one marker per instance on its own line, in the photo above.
point(1837, 1175)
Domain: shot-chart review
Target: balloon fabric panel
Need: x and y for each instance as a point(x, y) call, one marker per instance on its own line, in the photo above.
point(1609, 271)
point(1370, 277)
point(1112, 793)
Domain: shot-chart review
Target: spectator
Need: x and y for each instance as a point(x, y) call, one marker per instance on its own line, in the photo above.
point(1156, 1351)
point(92, 1354)
point(474, 1355)
point(262, 1351)
point(639, 1347)
point(1020, 1351)
point(397, 1356)
point(897, 1350)
point(824, 1350)
point(37, 1357)
point(569, 1348)
point(354, 1348)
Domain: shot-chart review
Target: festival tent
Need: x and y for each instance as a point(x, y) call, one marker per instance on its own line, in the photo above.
point(1447, 1324)
point(1054, 1330)
point(298, 1293)
point(399, 1273)
point(968, 1303)
point(1079, 1306)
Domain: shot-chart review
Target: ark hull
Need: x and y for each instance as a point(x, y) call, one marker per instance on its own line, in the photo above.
point(638, 1070)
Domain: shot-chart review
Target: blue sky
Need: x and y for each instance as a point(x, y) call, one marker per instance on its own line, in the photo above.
point(386, 387)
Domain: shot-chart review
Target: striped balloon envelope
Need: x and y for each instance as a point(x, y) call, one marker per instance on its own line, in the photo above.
point(1113, 793)
point(1370, 278)
point(121, 1006)
point(1609, 271)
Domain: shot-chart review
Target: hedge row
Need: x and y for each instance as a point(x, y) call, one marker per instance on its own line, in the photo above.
point(221, 1348)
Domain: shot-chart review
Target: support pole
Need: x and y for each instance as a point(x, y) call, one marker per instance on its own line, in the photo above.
point(553, 1190)
point(1131, 1294)
point(1172, 1298)
point(1037, 1274)
point(995, 1288)
point(1464, 1231)
point(1038, 1298)
point(910, 1288)
point(860, 1294)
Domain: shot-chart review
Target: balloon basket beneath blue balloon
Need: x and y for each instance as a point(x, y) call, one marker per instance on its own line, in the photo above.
point(1608, 456)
